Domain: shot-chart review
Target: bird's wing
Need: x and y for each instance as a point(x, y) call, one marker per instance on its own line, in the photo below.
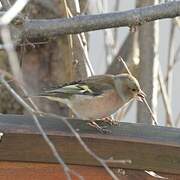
point(93, 86)
point(100, 83)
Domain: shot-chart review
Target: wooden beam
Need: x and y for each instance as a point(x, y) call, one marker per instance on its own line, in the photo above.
point(148, 147)
point(45, 171)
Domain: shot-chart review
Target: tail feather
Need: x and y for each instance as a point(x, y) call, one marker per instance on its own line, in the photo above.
point(50, 97)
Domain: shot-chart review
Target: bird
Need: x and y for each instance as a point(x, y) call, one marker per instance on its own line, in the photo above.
point(96, 97)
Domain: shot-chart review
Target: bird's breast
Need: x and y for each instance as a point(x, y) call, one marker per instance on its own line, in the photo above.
point(96, 107)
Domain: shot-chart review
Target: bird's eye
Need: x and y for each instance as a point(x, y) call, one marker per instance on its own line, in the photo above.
point(133, 90)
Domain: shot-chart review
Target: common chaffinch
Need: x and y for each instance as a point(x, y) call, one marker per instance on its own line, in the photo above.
point(98, 96)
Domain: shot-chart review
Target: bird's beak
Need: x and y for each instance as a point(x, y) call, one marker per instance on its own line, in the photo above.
point(140, 96)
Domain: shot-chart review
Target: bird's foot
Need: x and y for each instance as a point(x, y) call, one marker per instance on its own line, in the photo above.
point(102, 129)
point(110, 121)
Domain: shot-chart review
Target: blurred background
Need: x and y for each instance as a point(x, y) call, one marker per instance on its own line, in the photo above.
point(102, 43)
point(146, 49)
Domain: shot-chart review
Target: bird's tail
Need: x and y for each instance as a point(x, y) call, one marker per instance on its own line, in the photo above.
point(50, 97)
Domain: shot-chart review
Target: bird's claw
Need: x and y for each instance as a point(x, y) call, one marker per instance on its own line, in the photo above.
point(110, 121)
point(105, 131)
point(102, 129)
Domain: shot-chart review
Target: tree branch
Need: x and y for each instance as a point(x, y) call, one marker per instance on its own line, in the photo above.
point(41, 28)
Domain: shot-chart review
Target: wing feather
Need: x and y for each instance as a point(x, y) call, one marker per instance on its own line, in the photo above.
point(93, 86)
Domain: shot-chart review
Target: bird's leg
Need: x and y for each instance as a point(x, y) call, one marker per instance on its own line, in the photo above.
point(110, 120)
point(99, 128)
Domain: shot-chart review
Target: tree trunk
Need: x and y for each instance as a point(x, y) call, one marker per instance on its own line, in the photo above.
point(148, 44)
point(130, 54)
point(48, 62)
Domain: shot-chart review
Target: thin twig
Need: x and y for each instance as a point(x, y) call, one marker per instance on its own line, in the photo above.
point(88, 63)
point(33, 104)
point(123, 111)
point(107, 34)
point(125, 65)
point(101, 161)
point(170, 63)
point(71, 45)
point(177, 120)
point(6, 4)
point(175, 61)
point(152, 114)
point(170, 52)
point(13, 12)
point(36, 121)
point(12, 56)
point(14, 64)
point(125, 161)
point(63, 119)
point(53, 149)
point(115, 35)
point(169, 119)
point(176, 58)
point(86, 148)
point(144, 99)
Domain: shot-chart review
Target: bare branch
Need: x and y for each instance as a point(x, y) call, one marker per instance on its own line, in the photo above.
point(79, 41)
point(63, 119)
point(154, 121)
point(177, 120)
point(6, 4)
point(32, 112)
point(14, 64)
point(13, 56)
point(54, 27)
point(13, 59)
point(86, 148)
point(151, 112)
point(170, 63)
point(175, 61)
point(112, 160)
point(125, 65)
point(165, 97)
point(13, 12)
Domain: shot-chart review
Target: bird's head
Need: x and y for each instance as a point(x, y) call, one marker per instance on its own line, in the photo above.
point(128, 87)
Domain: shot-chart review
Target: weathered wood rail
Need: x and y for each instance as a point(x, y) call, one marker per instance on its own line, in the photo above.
point(23, 150)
